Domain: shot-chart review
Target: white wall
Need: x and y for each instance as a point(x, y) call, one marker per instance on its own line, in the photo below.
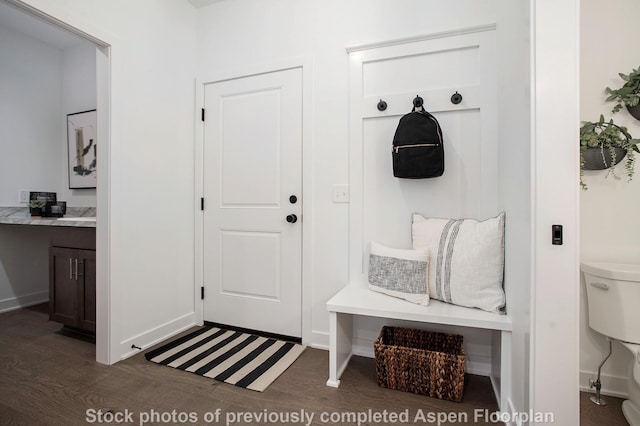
point(78, 94)
point(150, 215)
point(263, 33)
point(609, 208)
point(39, 85)
point(30, 132)
point(30, 111)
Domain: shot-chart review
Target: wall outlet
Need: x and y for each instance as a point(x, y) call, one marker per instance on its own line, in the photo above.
point(23, 196)
point(341, 193)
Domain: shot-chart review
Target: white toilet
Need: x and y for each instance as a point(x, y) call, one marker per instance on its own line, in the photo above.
point(613, 294)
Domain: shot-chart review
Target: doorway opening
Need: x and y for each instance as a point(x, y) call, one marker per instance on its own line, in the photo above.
point(39, 26)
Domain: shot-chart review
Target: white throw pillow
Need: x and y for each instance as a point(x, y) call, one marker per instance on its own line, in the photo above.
point(467, 264)
point(399, 273)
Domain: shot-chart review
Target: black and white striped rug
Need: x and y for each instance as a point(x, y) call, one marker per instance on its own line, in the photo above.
point(240, 359)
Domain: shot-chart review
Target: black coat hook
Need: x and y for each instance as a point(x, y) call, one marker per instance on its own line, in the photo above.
point(382, 105)
point(417, 102)
point(456, 98)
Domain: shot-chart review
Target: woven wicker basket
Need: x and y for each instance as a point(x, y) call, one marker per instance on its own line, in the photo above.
point(422, 362)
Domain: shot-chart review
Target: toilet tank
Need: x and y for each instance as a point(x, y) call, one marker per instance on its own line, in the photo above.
point(613, 295)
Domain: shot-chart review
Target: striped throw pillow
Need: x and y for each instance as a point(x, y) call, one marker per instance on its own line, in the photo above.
point(467, 265)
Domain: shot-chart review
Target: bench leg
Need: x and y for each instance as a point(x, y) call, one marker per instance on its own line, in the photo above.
point(501, 374)
point(340, 345)
point(505, 370)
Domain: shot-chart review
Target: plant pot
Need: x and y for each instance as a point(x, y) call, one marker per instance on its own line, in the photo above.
point(593, 158)
point(634, 111)
point(35, 211)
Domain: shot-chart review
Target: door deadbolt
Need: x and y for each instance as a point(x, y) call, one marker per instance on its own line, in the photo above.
point(293, 199)
point(292, 218)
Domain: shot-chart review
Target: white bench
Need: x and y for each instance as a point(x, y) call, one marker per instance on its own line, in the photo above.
point(357, 299)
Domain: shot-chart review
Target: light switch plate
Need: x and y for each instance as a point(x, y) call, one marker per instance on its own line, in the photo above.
point(341, 193)
point(23, 196)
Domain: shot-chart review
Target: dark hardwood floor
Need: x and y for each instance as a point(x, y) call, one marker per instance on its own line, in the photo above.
point(601, 415)
point(47, 378)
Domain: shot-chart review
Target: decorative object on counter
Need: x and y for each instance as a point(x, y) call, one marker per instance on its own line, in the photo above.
point(58, 209)
point(81, 144)
point(46, 199)
point(605, 144)
point(627, 95)
point(35, 207)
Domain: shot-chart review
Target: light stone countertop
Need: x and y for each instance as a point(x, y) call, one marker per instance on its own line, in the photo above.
point(20, 216)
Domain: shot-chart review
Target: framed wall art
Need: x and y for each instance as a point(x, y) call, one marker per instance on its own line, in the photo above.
point(82, 149)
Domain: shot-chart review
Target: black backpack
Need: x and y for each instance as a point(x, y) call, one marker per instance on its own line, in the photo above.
point(417, 146)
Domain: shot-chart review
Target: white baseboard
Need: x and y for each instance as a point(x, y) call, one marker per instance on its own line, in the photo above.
point(319, 340)
point(19, 302)
point(616, 386)
point(156, 335)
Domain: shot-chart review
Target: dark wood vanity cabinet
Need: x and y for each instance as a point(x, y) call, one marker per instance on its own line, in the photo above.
point(72, 278)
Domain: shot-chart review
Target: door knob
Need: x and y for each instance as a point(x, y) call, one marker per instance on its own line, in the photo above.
point(292, 218)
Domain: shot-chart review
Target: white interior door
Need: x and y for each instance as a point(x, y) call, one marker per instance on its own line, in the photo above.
point(252, 223)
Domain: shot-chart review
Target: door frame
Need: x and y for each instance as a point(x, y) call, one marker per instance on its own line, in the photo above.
point(306, 66)
point(555, 174)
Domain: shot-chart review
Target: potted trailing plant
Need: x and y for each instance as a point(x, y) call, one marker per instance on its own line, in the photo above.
point(35, 207)
point(627, 95)
point(605, 144)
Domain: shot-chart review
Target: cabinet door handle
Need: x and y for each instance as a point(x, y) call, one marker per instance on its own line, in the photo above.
point(78, 273)
point(70, 268)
